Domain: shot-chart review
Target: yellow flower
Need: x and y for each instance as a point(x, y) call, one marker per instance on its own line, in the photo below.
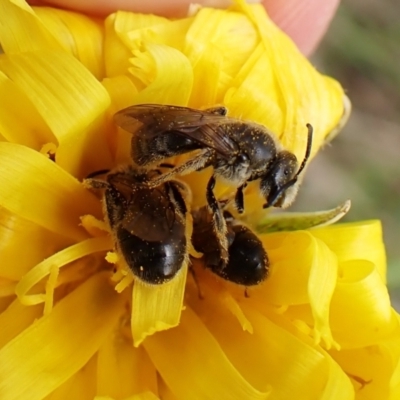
point(320, 327)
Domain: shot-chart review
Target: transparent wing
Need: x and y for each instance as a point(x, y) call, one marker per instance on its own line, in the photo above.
point(207, 128)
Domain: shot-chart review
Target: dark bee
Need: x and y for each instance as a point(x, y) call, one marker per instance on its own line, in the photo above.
point(238, 151)
point(247, 262)
point(148, 224)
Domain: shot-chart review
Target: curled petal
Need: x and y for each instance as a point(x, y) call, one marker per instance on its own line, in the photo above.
point(31, 131)
point(161, 63)
point(303, 272)
point(71, 345)
point(77, 33)
point(32, 34)
point(361, 313)
point(270, 350)
point(123, 370)
point(356, 241)
point(16, 318)
point(216, 44)
point(163, 305)
point(15, 232)
point(321, 284)
point(304, 95)
point(59, 86)
point(374, 370)
point(117, 43)
point(57, 261)
point(212, 375)
point(70, 101)
point(39, 191)
point(81, 385)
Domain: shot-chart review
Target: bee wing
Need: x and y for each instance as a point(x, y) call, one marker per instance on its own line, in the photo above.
point(204, 127)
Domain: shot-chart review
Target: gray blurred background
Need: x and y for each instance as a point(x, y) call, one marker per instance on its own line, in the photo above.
point(362, 51)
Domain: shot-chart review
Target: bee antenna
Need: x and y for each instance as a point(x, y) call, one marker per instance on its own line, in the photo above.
point(302, 166)
point(308, 150)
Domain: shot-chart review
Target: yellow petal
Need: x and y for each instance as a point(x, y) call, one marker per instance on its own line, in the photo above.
point(230, 32)
point(270, 356)
point(117, 26)
point(123, 370)
point(49, 28)
point(253, 98)
point(39, 191)
point(31, 130)
point(321, 284)
point(95, 309)
point(391, 348)
point(143, 396)
point(152, 28)
point(66, 95)
point(291, 263)
point(206, 78)
point(212, 375)
point(304, 95)
point(58, 260)
point(15, 319)
point(162, 62)
point(303, 271)
point(7, 289)
point(235, 309)
point(94, 226)
point(122, 92)
point(162, 305)
point(216, 44)
point(15, 233)
point(361, 314)
point(371, 369)
point(356, 240)
point(80, 386)
point(78, 34)
point(337, 386)
point(17, 16)
point(69, 99)
point(310, 370)
point(164, 391)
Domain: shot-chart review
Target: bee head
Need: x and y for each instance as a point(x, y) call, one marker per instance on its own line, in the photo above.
point(281, 176)
point(279, 185)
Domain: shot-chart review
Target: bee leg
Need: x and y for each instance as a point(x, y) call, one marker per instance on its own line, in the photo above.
point(177, 196)
point(196, 163)
point(214, 205)
point(219, 222)
point(239, 199)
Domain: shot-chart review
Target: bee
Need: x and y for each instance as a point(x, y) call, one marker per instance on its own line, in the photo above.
point(148, 224)
point(247, 262)
point(239, 151)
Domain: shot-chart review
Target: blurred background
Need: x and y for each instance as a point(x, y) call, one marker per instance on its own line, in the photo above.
point(362, 51)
